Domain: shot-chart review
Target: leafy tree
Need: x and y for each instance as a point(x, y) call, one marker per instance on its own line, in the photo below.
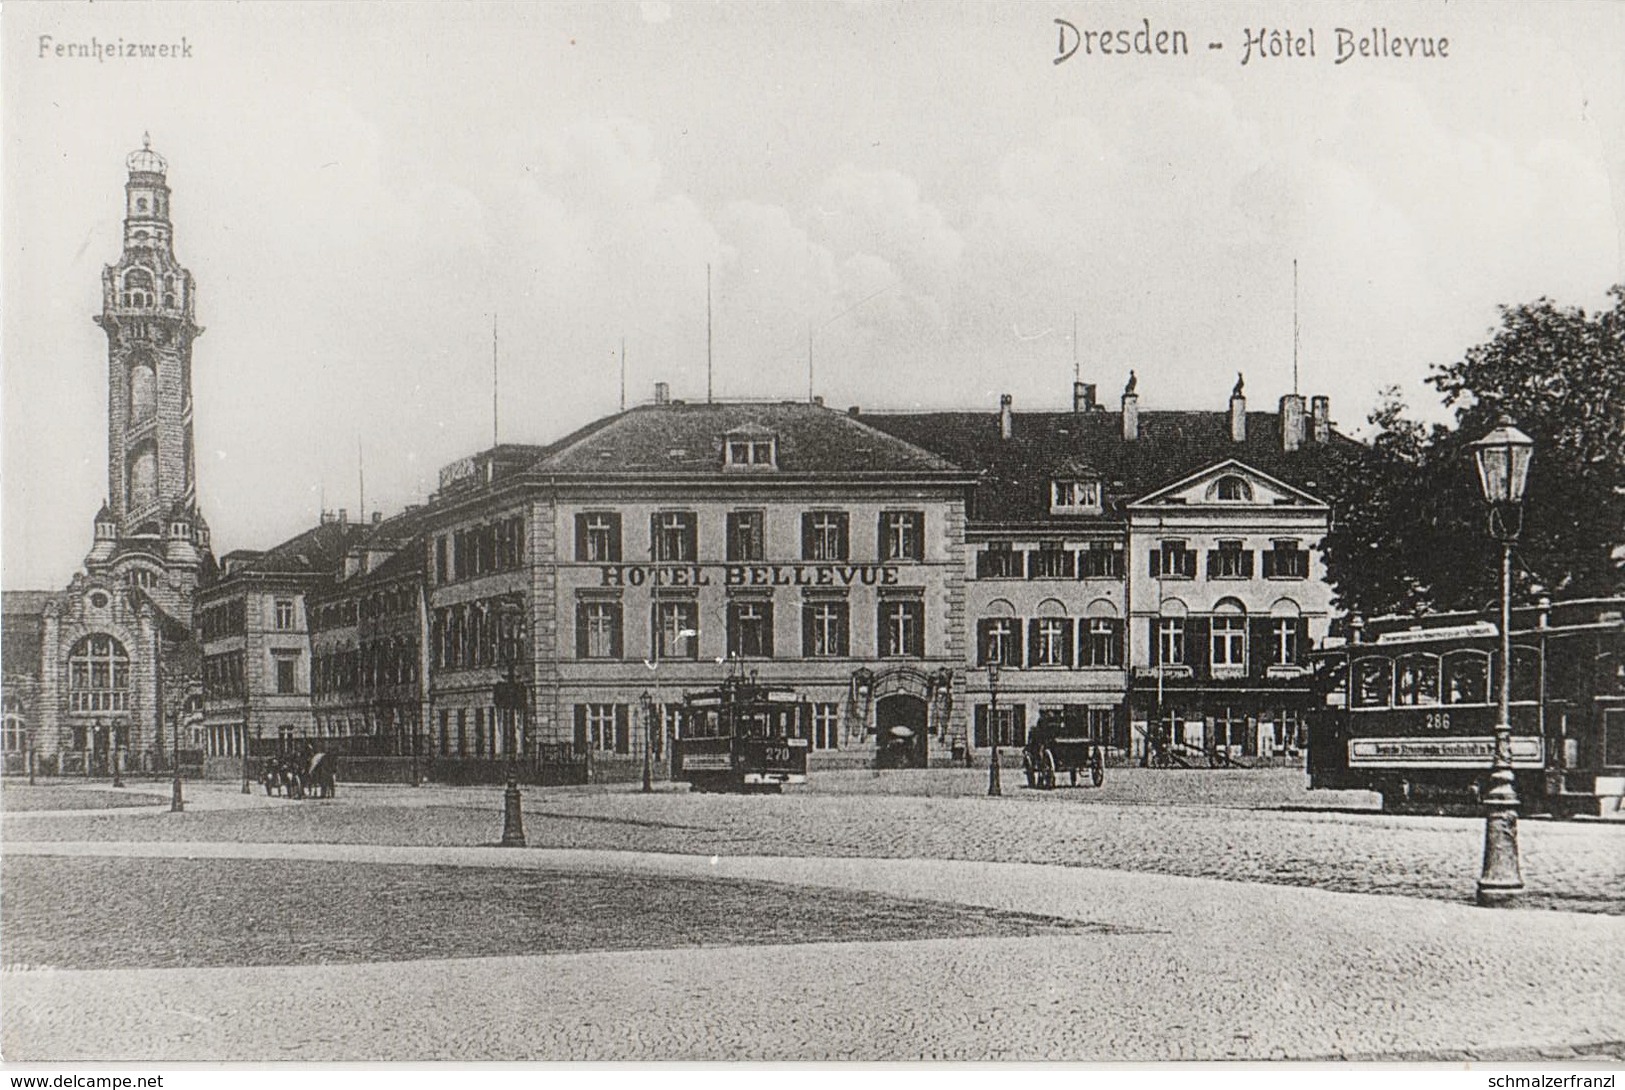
point(1410, 532)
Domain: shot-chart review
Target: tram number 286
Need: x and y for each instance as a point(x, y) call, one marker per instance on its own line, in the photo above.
point(1437, 721)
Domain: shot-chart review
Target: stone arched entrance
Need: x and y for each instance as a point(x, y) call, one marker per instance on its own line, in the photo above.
point(901, 731)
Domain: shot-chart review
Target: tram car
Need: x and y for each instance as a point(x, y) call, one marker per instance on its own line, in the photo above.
point(742, 737)
point(1408, 707)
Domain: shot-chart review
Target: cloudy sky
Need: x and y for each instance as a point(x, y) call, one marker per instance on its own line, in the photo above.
point(358, 189)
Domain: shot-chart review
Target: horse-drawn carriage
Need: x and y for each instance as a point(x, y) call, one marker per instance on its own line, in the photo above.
point(296, 775)
point(1055, 746)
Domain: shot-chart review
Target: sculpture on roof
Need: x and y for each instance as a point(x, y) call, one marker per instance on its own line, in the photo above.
point(1237, 391)
point(1132, 383)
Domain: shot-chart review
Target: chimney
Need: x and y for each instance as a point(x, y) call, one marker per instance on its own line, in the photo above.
point(852, 411)
point(1238, 413)
point(819, 401)
point(1083, 397)
point(1291, 421)
point(1320, 417)
point(662, 394)
point(344, 516)
point(377, 517)
point(1005, 423)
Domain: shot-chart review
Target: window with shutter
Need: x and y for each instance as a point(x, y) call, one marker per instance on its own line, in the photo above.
point(824, 535)
point(746, 535)
point(902, 535)
point(1196, 643)
point(1260, 648)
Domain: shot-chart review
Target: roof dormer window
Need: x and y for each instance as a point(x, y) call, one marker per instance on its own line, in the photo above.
point(750, 450)
point(1074, 497)
point(1232, 489)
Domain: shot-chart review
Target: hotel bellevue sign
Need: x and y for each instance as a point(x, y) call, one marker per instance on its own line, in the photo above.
point(748, 575)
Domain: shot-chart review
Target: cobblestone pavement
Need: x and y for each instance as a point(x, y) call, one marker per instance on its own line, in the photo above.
point(1264, 828)
point(1176, 968)
point(1214, 931)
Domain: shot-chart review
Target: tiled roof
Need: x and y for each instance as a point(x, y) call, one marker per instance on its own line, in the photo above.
point(1014, 473)
point(687, 439)
point(406, 560)
point(317, 551)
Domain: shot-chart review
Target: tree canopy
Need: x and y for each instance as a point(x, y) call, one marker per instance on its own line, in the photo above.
point(1410, 531)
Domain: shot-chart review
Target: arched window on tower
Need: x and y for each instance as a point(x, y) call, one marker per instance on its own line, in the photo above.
point(98, 675)
point(138, 289)
point(143, 484)
point(143, 388)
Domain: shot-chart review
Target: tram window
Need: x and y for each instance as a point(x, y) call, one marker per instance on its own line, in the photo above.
point(1418, 680)
point(1373, 683)
point(1332, 677)
point(1613, 739)
point(1467, 677)
point(1525, 674)
point(1611, 673)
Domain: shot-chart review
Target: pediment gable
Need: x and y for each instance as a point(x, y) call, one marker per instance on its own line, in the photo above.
point(1230, 485)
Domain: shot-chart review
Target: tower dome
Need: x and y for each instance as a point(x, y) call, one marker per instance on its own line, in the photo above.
point(145, 161)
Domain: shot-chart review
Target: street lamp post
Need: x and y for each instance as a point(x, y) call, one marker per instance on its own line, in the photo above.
point(176, 802)
point(993, 785)
point(29, 740)
point(417, 715)
point(647, 702)
point(115, 735)
point(1503, 458)
point(510, 698)
point(246, 789)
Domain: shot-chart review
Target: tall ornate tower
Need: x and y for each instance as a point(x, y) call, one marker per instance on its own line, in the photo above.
point(148, 312)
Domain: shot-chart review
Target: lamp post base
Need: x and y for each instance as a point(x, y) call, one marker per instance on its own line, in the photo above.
point(994, 787)
point(176, 802)
point(513, 821)
point(1502, 880)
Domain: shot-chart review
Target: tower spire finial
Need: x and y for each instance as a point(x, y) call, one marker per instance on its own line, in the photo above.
point(146, 141)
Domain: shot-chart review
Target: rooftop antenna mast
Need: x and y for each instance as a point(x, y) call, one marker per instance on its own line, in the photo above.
point(493, 379)
point(809, 364)
point(1077, 368)
point(361, 482)
point(708, 333)
point(623, 374)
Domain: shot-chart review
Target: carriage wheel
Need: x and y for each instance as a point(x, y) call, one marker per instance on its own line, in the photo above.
point(1027, 770)
point(1049, 770)
point(1097, 768)
point(1074, 774)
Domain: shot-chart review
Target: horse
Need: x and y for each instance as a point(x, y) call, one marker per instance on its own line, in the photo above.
point(271, 775)
point(322, 774)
